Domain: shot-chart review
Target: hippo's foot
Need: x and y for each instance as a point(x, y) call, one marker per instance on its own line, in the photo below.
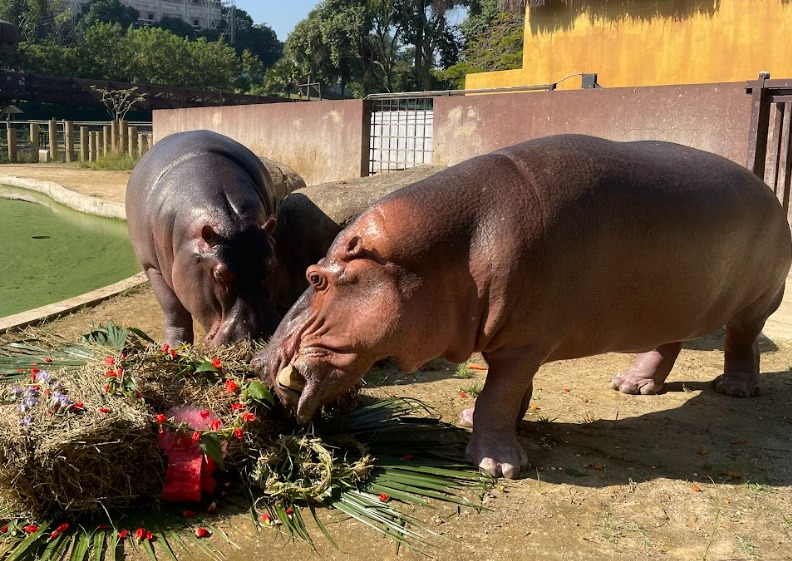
point(648, 371)
point(498, 455)
point(634, 383)
point(466, 418)
point(737, 385)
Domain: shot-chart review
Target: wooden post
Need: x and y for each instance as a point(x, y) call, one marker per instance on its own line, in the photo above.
point(93, 145)
point(107, 141)
point(132, 144)
point(113, 135)
point(123, 131)
point(68, 139)
point(141, 145)
point(12, 144)
point(84, 135)
point(100, 143)
point(34, 141)
point(53, 140)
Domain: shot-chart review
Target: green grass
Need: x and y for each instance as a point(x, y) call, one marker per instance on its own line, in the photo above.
point(473, 389)
point(112, 162)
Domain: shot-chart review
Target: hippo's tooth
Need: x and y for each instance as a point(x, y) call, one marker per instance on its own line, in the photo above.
point(290, 378)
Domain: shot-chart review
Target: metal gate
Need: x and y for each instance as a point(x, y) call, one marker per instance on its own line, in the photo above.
point(769, 142)
point(401, 133)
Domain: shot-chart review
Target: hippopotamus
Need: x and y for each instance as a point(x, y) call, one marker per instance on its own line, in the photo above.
point(556, 248)
point(200, 212)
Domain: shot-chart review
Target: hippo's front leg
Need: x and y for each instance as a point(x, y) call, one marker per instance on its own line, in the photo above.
point(503, 400)
point(178, 321)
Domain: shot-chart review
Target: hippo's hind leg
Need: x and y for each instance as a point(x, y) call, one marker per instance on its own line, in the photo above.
point(178, 321)
point(740, 376)
point(648, 371)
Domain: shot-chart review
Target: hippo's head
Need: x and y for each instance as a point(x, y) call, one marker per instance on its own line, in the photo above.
point(352, 314)
point(230, 289)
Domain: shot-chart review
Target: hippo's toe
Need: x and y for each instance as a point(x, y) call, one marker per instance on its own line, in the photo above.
point(737, 386)
point(497, 455)
point(627, 382)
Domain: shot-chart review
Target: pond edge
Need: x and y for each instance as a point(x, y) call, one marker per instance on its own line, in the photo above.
point(86, 205)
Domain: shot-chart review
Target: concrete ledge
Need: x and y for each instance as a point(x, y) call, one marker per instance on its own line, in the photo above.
point(86, 205)
point(59, 194)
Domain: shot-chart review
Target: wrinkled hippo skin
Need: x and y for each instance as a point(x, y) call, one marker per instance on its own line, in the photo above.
point(556, 248)
point(200, 212)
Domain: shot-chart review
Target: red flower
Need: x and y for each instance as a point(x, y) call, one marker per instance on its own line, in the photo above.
point(266, 518)
point(202, 532)
point(216, 363)
point(215, 425)
point(196, 437)
point(237, 406)
point(161, 418)
point(110, 374)
point(48, 359)
point(4, 529)
point(122, 357)
point(35, 387)
point(122, 534)
point(120, 372)
point(140, 533)
point(289, 511)
point(30, 528)
point(20, 370)
point(248, 417)
point(188, 513)
point(62, 527)
point(173, 354)
point(165, 348)
point(407, 457)
point(384, 497)
point(463, 395)
point(102, 527)
point(104, 410)
point(149, 536)
point(33, 377)
point(109, 360)
point(53, 535)
point(204, 413)
point(239, 433)
point(34, 370)
point(161, 433)
point(78, 405)
point(230, 386)
point(107, 388)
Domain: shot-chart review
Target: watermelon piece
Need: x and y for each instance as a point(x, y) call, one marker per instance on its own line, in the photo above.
point(183, 478)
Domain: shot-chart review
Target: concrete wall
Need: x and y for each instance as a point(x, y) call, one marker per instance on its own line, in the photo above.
point(712, 117)
point(652, 42)
point(322, 141)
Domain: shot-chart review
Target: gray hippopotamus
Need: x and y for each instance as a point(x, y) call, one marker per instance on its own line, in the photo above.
point(556, 248)
point(200, 213)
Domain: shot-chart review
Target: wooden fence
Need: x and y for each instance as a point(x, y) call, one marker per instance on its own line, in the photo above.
point(71, 141)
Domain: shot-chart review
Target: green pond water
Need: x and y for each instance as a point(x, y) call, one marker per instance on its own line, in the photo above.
point(49, 252)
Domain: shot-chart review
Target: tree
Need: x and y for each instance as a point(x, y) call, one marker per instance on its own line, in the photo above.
point(108, 11)
point(493, 41)
point(119, 102)
point(259, 39)
point(34, 18)
point(177, 26)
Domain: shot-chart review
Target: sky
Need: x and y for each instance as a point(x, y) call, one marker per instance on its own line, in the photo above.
point(280, 15)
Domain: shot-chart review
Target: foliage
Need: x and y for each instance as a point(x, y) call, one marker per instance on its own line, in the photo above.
point(107, 11)
point(493, 41)
point(119, 102)
point(114, 162)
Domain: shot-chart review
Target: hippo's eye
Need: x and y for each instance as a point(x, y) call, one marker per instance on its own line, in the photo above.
point(318, 281)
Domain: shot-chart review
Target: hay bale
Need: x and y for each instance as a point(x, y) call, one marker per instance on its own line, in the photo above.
point(75, 449)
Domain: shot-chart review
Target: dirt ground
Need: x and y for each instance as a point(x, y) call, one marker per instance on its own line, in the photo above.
point(686, 475)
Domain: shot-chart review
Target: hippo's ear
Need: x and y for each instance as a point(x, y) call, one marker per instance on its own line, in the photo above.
point(269, 226)
point(354, 250)
point(208, 235)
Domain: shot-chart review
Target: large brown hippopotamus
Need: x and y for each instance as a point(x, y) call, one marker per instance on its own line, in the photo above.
point(199, 208)
point(556, 248)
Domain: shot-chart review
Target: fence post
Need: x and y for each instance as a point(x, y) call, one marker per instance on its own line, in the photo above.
point(84, 135)
point(53, 140)
point(759, 127)
point(365, 140)
point(113, 136)
point(100, 142)
point(68, 139)
point(141, 145)
point(93, 144)
point(123, 131)
point(106, 140)
point(34, 141)
point(11, 136)
point(132, 136)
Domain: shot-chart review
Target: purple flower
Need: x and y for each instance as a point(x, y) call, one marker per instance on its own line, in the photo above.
point(26, 420)
point(43, 376)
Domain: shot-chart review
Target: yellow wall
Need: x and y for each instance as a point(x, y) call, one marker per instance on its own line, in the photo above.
point(734, 42)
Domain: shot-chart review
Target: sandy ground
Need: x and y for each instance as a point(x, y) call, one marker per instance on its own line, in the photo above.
point(689, 474)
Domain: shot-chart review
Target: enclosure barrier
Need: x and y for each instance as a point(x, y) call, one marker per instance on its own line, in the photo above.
point(70, 141)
